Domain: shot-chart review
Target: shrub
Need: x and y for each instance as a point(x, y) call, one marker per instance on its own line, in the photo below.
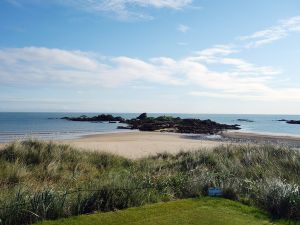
point(280, 198)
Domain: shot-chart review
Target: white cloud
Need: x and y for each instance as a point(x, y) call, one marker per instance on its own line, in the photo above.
point(242, 67)
point(175, 4)
point(123, 9)
point(210, 55)
point(45, 67)
point(183, 28)
point(198, 74)
point(285, 94)
point(274, 33)
point(54, 66)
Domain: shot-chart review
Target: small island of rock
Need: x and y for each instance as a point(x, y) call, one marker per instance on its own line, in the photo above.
point(99, 118)
point(162, 124)
point(290, 121)
point(293, 121)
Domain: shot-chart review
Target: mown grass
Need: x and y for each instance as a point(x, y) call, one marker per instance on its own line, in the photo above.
point(42, 180)
point(201, 211)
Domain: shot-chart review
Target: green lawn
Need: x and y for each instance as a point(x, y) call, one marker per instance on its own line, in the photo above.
point(206, 211)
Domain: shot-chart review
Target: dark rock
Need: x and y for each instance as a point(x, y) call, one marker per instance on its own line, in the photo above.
point(142, 116)
point(293, 121)
point(99, 118)
point(290, 121)
point(162, 123)
point(178, 125)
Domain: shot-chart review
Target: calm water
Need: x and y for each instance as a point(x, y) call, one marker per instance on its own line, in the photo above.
point(48, 126)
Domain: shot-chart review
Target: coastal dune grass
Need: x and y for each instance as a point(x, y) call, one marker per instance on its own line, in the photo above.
point(44, 180)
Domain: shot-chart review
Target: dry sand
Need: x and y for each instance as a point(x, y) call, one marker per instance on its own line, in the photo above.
point(140, 144)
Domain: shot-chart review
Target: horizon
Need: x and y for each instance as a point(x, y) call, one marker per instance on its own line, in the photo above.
point(200, 57)
point(193, 113)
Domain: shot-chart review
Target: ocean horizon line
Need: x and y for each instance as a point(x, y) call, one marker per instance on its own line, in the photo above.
point(190, 113)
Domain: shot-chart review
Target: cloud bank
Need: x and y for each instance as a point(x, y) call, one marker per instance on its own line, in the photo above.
point(213, 72)
point(56, 67)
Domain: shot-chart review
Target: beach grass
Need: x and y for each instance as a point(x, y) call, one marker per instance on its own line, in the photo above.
point(44, 180)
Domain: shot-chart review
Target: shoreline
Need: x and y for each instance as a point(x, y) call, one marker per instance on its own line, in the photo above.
point(142, 144)
point(262, 138)
point(261, 134)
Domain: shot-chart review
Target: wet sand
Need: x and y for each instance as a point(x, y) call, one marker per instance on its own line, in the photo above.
point(255, 138)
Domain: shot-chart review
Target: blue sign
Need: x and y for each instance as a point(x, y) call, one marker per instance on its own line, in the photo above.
point(214, 191)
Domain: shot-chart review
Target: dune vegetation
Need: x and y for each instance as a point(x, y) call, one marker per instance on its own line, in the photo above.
point(44, 180)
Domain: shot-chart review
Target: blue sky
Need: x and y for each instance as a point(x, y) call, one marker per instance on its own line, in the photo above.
point(205, 56)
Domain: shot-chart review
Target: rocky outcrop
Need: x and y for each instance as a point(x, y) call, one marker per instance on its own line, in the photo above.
point(290, 121)
point(293, 121)
point(178, 125)
point(142, 116)
point(99, 118)
point(162, 123)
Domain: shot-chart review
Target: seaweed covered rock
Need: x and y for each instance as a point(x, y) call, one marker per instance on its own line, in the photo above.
point(161, 123)
point(178, 125)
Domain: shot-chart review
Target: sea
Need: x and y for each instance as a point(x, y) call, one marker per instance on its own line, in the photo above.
point(50, 126)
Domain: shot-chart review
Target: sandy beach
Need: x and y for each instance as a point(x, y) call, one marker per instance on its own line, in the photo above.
point(140, 144)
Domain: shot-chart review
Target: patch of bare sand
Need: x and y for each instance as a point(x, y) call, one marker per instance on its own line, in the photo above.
point(140, 144)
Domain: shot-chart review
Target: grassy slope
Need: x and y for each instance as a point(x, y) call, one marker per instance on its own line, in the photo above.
point(191, 211)
point(41, 180)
